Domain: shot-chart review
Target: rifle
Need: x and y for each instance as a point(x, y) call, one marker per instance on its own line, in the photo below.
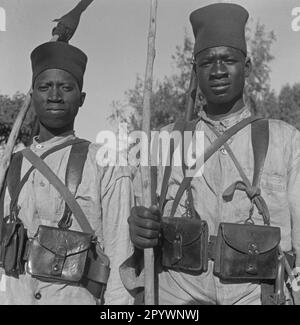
point(192, 93)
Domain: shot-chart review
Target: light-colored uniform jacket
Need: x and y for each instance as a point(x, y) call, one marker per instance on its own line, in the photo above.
point(280, 187)
point(105, 195)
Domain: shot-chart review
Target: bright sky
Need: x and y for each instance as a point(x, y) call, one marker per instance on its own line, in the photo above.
point(113, 33)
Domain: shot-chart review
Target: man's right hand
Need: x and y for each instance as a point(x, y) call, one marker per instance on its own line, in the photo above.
point(144, 226)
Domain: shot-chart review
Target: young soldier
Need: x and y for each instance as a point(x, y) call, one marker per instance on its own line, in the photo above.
point(222, 65)
point(104, 194)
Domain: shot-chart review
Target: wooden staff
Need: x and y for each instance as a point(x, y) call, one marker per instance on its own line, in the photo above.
point(145, 170)
point(63, 32)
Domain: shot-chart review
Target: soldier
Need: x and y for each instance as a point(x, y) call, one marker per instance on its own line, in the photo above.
point(104, 194)
point(220, 196)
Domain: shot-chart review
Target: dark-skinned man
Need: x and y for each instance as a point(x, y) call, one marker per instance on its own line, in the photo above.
point(104, 194)
point(222, 65)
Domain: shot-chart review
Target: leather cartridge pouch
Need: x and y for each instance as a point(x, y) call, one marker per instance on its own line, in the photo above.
point(185, 239)
point(184, 244)
point(13, 235)
point(58, 255)
point(246, 252)
point(63, 255)
point(13, 242)
point(96, 271)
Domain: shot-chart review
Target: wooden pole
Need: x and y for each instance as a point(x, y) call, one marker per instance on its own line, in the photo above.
point(145, 170)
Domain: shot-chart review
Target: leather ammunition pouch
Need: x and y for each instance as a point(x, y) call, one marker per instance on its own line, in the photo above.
point(65, 256)
point(246, 252)
point(58, 255)
point(12, 246)
point(184, 244)
point(54, 254)
point(185, 239)
point(13, 235)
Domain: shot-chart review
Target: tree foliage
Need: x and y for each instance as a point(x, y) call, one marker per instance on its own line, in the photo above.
point(288, 108)
point(9, 108)
point(170, 95)
point(257, 89)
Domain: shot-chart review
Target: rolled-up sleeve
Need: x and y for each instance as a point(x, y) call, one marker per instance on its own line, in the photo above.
point(117, 200)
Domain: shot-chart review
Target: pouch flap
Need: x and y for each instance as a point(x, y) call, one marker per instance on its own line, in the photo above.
point(189, 230)
point(63, 242)
point(8, 231)
point(250, 239)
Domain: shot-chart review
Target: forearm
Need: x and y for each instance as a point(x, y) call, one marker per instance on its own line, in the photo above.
point(116, 206)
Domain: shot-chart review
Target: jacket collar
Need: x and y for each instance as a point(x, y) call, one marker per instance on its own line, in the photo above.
point(67, 136)
point(227, 121)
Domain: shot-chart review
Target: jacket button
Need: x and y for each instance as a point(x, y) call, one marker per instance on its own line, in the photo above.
point(38, 296)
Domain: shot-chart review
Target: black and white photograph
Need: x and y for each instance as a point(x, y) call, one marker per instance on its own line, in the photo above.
point(149, 155)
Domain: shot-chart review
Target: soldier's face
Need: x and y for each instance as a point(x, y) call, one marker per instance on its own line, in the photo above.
point(221, 72)
point(56, 98)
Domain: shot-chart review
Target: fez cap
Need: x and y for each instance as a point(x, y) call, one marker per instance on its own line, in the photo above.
point(219, 24)
point(59, 55)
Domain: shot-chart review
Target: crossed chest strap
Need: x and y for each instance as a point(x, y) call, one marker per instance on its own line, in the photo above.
point(260, 142)
point(73, 176)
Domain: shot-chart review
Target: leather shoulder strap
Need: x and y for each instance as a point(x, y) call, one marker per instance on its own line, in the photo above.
point(215, 146)
point(75, 165)
point(46, 171)
point(73, 177)
point(12, 179)
point(153, 173)
point(16, 187)
point(2, 196)
point(260, 145)
point(181, 126)
point(14, 172)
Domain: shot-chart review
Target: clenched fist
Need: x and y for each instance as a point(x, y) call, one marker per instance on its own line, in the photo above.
point(144, 226)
